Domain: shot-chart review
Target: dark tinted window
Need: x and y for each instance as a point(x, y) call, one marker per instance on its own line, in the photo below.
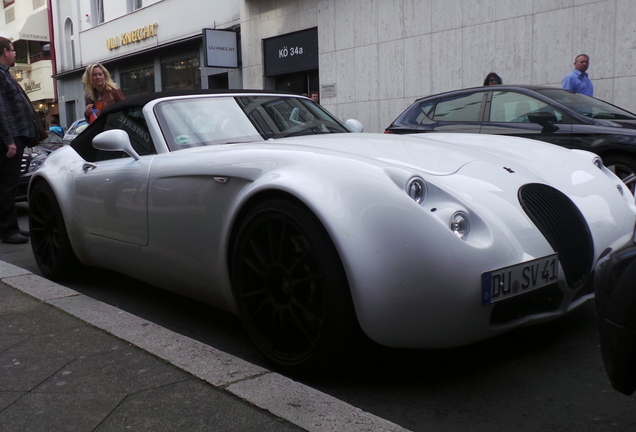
point(513, 107)
point(132, 122)
point(459, 108)
point(419, 113)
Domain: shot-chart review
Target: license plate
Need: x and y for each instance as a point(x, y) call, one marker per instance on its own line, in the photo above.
point(501, 284)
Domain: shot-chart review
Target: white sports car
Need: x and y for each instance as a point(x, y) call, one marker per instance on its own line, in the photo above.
point(267, 206)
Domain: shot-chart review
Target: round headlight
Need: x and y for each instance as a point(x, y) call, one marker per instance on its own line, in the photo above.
point(459, 225)
point(416, 188)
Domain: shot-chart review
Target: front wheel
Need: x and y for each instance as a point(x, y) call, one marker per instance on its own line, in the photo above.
point(49, 239)
point(290, 288)
point(624, 167)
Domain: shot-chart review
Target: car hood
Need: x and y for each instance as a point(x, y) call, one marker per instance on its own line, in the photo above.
point(434, 154)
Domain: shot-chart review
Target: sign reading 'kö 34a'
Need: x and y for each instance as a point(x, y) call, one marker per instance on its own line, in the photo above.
point(132, 36)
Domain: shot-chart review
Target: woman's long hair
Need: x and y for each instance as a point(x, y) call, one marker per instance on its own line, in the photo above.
point(109, 84)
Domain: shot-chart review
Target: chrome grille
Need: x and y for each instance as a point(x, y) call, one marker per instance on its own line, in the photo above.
point(563, 226)
point(24, 167)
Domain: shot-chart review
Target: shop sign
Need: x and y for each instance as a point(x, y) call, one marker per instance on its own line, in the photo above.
point(291, 52)
point(32, 86)
point(132, 36)
point(221, 48)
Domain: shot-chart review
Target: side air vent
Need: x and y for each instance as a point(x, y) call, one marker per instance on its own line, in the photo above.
point(563, 226)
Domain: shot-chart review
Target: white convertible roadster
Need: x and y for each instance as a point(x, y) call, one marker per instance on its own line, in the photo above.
point(267, 206)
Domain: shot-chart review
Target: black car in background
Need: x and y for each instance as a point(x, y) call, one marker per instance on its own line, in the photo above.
point(615, 293)
point(544, 113)
point(32, 159)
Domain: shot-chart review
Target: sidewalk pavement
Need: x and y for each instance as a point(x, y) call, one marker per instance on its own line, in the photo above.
point(71, 363)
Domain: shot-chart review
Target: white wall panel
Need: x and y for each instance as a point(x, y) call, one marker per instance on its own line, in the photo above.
point(479, 53)
point(447, 14)
point(418, 67)
point(552, 56)
point(391, 70)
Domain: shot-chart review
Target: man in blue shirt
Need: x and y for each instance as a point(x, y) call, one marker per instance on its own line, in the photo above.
point(17, 126)
point(578, 81)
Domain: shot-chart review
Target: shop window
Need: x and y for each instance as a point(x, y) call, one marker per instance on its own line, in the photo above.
point(133, 5)
point(182, 74)
point(69, 44)
point(21, 51)
point(9, 15)
point(97, 8)
point(39, 51)
point(138, 81)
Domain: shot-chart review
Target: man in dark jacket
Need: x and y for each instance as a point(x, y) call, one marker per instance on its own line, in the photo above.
point(17, 126)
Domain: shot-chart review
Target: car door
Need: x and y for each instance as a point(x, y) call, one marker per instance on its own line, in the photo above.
point(512, 113)
point(457, 113)
point(112, 191)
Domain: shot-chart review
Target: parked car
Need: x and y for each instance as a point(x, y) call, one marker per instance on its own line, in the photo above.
point(263, 204)
point(74, 130)
point(544, 113)
point(616, 306)
point(32, 159)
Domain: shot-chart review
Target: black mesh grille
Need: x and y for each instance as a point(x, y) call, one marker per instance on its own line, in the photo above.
point(563, 226)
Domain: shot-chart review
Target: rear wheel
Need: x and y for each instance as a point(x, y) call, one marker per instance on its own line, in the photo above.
point(624, 167)
point(49, 239)
point(290, 288)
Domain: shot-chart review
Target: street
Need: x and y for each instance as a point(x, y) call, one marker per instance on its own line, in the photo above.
point(543, 378)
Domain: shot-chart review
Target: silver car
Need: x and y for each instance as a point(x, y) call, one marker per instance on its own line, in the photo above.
point(267, 206)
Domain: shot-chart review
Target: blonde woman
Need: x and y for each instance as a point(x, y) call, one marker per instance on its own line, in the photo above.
point(101, 91)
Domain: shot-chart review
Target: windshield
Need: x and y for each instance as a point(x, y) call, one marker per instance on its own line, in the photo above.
point(203, 121)
point(588, 106)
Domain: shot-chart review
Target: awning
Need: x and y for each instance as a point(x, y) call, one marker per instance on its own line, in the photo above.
point(35, 27)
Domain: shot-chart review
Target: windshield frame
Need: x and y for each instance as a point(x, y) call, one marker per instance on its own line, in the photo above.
point(253, 118)
point(587, 106)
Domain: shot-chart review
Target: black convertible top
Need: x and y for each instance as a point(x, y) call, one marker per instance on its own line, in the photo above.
point(83, 143)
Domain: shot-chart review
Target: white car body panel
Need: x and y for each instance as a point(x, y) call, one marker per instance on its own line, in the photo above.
point(167, 218)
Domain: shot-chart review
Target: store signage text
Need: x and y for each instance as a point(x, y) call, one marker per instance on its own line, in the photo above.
point(291, 52)
point(221, 48)
point(31, 86)
point(285, 52)
point(133, 36)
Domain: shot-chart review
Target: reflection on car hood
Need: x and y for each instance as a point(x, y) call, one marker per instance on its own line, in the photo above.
point(436, 154)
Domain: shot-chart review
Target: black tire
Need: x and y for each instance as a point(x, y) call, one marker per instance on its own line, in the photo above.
point(624, 167)
point(49, 239)
point(291, 290)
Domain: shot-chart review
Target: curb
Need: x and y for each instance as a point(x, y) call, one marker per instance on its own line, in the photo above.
point(297, 403)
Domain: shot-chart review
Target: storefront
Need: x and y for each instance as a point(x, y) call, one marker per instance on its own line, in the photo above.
point(32, 70)
point(145, 52)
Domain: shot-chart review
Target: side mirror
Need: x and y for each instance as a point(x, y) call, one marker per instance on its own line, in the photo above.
point(545, 119)
point(115, 140)
point(354, 125)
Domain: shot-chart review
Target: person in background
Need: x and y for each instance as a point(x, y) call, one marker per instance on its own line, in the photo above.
point(578, 80)
point(492, 79)
point(100, 89)
point(56, 128)
point(315, 96)
point(17, 126)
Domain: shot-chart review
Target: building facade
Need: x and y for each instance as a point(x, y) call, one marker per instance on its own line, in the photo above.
point(375, 57)
point(146, 45)
point(25, 23)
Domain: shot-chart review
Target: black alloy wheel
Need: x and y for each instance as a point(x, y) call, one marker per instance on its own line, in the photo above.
point(624, 167)
point(49, 239)
point(290, 288)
